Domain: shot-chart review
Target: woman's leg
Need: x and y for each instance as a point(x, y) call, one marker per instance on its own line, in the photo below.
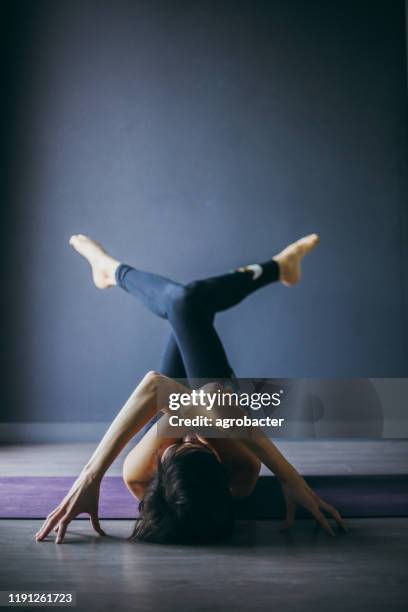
point(219, 293)
point(222, 292)
point(214, 294)
point(200, 346)
point(191, 309)
point(201, 350)
point(171, 363)
point(195, 347)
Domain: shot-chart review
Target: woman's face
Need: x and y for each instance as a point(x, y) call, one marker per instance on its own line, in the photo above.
point(189, 441)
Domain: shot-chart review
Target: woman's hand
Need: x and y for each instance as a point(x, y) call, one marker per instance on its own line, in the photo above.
point(82, 497)
point(297, 491)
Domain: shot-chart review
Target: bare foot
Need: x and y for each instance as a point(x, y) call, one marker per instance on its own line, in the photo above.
point(103, 265)
point(290, 259)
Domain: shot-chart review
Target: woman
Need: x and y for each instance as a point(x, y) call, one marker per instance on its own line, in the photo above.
point(185, 485)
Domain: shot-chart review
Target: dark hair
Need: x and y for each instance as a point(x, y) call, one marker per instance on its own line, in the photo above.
point(188, 501)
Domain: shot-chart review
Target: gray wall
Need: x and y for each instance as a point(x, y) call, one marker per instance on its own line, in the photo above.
point(191, 137)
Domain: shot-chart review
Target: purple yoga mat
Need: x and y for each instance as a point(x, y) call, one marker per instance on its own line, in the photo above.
point(354, 496)
point(35, 497)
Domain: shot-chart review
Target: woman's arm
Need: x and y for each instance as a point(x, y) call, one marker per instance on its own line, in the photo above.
point(83, 496)
point(295, 489)
point(139, 409)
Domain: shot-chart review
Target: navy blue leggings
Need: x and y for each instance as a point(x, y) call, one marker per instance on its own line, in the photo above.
point(194, 349)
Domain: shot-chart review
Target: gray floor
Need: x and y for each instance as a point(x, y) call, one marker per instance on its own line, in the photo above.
point(261, 569)
point(311, 457)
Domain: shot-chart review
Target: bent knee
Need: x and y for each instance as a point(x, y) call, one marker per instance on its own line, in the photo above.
point(182, 298)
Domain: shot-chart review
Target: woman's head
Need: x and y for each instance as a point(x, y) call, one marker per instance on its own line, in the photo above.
point(188, 499)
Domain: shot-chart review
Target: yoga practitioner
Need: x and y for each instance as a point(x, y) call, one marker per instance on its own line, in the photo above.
point(186, 485)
